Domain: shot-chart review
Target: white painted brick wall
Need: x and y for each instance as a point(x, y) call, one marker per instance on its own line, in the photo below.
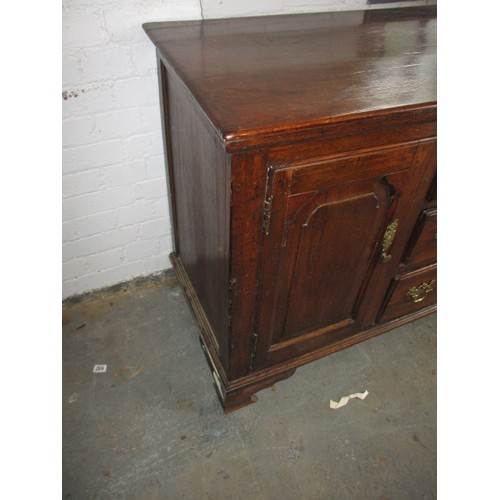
point(115, 212)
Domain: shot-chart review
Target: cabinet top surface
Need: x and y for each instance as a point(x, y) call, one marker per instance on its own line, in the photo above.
point(262, 75)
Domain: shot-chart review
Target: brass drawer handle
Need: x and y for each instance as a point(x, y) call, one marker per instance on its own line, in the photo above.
point(418, 293)
point(389, 234)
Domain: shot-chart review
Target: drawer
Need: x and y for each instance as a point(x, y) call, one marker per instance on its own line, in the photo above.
point(422, 246)
point(409, 293)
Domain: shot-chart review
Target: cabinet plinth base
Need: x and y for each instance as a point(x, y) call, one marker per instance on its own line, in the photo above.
point(232, 394)
point(235, 394)
point(235, 398)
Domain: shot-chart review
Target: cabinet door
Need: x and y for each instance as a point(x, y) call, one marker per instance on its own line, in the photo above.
point(324, 226)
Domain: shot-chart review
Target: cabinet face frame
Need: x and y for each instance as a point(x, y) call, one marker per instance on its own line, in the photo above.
point(250, 171)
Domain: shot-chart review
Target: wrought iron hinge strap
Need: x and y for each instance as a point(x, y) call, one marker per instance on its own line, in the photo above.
point(266, 220)
point(253, 352)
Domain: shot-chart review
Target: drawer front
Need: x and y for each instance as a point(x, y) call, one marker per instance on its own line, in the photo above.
point(409, 293)
point(422, 247)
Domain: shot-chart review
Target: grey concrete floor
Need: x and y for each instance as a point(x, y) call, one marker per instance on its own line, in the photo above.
point(151, 426)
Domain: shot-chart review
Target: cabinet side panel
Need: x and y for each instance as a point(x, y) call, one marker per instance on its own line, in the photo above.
point(201, 177)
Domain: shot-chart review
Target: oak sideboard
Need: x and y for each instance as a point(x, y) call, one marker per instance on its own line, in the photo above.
point(301, 166)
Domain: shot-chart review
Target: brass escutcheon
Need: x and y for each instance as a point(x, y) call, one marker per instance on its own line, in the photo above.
point(389, 234)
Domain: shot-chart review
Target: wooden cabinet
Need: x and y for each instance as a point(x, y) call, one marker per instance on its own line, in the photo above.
point(301, 154)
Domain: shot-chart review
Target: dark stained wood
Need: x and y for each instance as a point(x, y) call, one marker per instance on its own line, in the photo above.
point(248, 185)
point(432, 193)
point(165, 122)
point(399, 302)
point(255, 76)
point(408, 211)
point(323, 246)
point(208, 336)
point(337, 171)
point(200, 175)
point(422, 247)
point(293, 144)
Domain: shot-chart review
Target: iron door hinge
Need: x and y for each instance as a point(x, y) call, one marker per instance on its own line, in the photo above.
point(253, 352)
point(266, 219)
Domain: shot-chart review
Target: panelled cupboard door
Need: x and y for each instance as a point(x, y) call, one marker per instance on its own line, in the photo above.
point(324, 227)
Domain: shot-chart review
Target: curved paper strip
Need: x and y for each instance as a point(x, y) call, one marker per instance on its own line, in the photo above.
point(345, 399)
